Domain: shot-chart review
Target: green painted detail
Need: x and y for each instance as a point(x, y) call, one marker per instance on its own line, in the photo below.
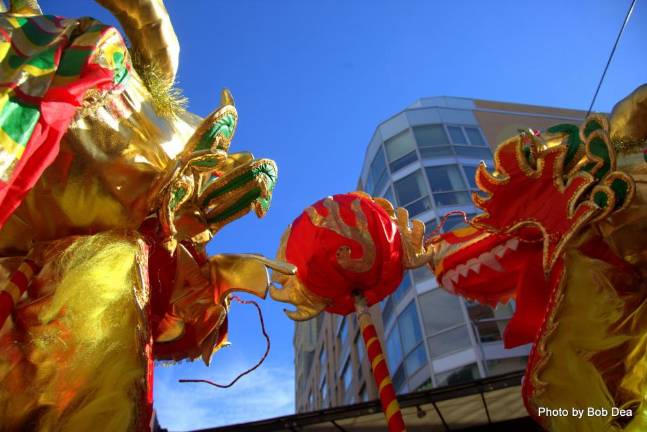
point(599, 148)
point(621, 189)
point(591, 126)
point(573, 142)
point(35, 35)
point(265, 202)
point(73, 61)
point(207, 163)
point(18, 120)
point(601, 199)
point(526, 153)
point(243, 179)
point(121, 71)
point(242, 204)
point(224, 126)
point(44, 60)
point(176, 198)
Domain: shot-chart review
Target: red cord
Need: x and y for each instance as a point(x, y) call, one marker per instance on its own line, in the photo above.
point(443, 220)
point(267, 350)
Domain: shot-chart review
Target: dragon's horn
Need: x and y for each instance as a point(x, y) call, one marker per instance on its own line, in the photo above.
point(226, 98)
point(148, 26)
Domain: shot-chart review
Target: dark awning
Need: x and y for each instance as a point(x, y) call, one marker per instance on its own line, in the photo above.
point(486, 404)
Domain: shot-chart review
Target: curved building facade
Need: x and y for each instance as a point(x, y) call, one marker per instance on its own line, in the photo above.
point(423, 159)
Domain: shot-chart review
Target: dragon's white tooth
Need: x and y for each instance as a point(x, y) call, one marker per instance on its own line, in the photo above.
point(474, 265)
point(513, 243)
point(488, 259)
point(448, 285)
point(499, 251)
point(446, 281)
point(453, 275)
point(462, 270)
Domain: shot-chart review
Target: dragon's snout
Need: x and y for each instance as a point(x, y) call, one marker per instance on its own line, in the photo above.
point(247, 187)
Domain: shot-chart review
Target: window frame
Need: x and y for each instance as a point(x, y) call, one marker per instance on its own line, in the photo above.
point(423, 189)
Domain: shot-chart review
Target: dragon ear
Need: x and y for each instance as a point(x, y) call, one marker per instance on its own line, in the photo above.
point(226, 98)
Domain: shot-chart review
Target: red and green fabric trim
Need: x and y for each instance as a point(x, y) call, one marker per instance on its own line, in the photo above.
point(48, 64)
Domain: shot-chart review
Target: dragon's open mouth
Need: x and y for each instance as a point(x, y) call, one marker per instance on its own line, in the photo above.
point(489, 259)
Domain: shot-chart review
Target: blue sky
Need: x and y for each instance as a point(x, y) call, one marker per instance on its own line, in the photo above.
point(312, 79)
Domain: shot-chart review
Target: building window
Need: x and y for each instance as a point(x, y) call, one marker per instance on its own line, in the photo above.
point(447, 185)
point(377, 174)
point(473, 152)
point(323, 363)
point(343, 332)
point(449, 341)
point(387, 310)
point(342, 335)
point(323, 390)
point(363, 393)
point(347, 375)
point(444, 323)
point(475, 147)
point(399, 380)
point(388, 195)
point(440, 311)
point(308, 360)
point(409, 327)
point(503, 366)
point(412, 193)
point(359, 348)
point(421, 274)
point(459, 375)
point(425, 385)
point(403, 288)
point(400, 150)
point(411, 337)
point(457, 135)
point(416, 359)
point(456, 221)
point(432, 141)
point(488, 323)
point(404, 347)
point(475, 137)
point(470, 175)
point(393, 349)
point(485, 325)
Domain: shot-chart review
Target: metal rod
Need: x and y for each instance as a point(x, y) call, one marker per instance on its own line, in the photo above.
point(338, 426)
point(442, 419)
point(487, 411)
point(613, 50)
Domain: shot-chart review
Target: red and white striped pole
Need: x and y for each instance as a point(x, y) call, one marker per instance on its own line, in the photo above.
point(16, 287)
point(379, 368)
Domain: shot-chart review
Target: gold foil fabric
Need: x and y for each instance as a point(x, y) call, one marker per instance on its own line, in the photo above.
point(73, 358)
point(105, 174)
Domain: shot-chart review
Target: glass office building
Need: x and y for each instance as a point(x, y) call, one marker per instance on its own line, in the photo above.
point(423, 159)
